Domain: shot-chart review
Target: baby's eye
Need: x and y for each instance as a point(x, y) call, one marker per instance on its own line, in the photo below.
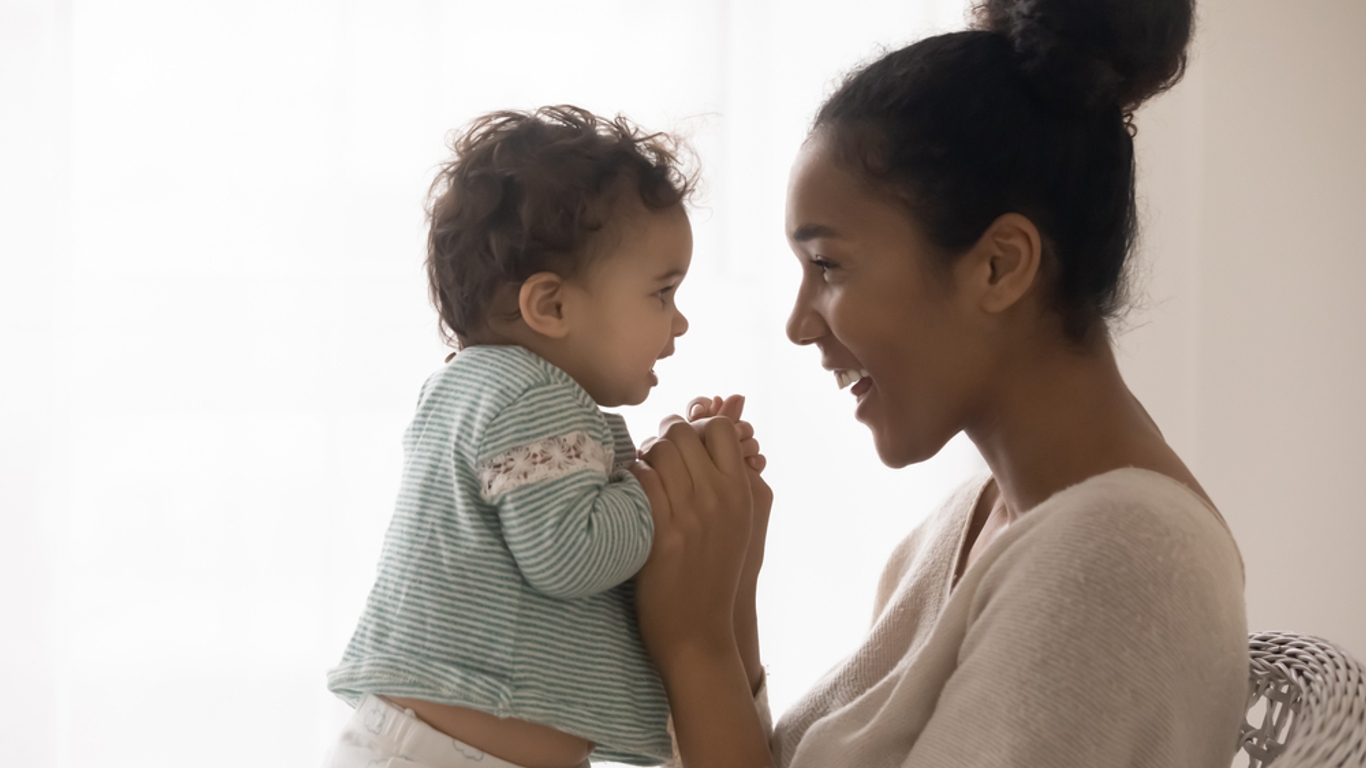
point(665, 294)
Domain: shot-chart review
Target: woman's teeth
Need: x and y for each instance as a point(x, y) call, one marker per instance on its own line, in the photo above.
point(845, 378)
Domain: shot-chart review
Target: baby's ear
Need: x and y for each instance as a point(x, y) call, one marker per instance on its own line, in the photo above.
point(541, 302)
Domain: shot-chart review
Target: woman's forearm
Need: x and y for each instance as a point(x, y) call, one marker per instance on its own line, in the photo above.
point(715, 720)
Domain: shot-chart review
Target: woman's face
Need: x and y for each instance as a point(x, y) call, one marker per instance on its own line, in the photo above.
point(881, 310)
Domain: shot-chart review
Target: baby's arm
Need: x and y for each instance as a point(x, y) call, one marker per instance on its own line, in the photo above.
point(574, 523)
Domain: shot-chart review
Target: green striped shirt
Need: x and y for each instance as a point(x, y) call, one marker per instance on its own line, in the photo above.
point(504, 582)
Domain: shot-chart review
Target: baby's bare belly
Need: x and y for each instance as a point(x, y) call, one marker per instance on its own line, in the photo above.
point(530, 745)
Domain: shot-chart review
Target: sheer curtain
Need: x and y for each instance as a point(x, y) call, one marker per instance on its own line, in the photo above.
point(215, 327)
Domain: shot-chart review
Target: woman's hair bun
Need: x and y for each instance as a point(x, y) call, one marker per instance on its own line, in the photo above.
point(1095, 53)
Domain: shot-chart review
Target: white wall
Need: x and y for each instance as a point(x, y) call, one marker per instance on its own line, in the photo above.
point(208, 209)
point(1251, 349)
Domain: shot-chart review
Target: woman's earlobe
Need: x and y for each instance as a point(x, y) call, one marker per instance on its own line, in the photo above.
point(541, 301)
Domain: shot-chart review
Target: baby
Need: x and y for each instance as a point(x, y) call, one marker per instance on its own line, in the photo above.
point(501, 629)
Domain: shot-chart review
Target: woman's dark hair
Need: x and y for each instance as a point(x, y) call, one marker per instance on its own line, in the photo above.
point(1030, 113)
point(524, 192)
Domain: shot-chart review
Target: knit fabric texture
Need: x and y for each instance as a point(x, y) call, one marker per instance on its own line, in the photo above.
point(1105, 627)
point(504, 581)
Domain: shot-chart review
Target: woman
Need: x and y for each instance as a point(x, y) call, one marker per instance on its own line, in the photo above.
point(962, 213)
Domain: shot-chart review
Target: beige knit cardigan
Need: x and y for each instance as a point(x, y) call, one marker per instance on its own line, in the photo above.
point(1103, 629)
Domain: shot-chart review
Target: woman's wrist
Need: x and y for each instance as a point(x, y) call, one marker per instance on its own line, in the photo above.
point(715, 720)
point(747, 634)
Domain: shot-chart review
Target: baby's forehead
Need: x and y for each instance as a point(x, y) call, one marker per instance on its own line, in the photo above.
point(626, 217)
point(654, 242)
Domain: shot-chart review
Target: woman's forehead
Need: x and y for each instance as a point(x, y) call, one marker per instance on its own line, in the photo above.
point(817, 191)
point(828, 200)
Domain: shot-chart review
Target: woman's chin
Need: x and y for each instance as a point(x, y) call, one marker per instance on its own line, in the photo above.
point(891, 454)
point(896, 451)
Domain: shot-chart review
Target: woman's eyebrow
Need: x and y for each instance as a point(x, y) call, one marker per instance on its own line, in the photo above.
point(812, 231)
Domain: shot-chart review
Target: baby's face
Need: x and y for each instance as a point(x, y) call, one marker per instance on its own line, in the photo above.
point(624, 317)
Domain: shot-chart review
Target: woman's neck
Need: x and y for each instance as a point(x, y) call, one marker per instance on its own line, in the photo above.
point(1061, 415)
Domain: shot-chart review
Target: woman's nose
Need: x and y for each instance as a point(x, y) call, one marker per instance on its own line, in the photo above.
point(804, 325)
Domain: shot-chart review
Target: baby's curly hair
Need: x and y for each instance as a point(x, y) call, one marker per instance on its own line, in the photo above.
point(525, 191)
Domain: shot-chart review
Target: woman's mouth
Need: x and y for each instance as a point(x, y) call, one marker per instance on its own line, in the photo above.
point(861, 380)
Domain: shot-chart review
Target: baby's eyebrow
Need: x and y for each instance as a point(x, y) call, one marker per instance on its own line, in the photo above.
point(671, 274)
point(812, 231)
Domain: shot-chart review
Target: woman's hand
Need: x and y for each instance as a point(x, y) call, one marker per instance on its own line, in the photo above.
point(733, 408)
point(744, 616)
point(699, 491)
point(701, 497)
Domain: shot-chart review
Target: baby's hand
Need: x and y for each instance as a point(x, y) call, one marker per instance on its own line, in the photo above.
point(700, 408)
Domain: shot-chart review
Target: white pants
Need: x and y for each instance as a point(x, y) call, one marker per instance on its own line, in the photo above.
point(380, 735)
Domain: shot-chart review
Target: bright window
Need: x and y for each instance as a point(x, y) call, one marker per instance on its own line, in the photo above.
point(223, 328)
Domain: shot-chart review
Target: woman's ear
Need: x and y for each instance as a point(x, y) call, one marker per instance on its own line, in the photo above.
point(1007, 260)
point(541, 301)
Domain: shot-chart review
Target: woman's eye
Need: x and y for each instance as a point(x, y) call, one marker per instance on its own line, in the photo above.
point(822, 263)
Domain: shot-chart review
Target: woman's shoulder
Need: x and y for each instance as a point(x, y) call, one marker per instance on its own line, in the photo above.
point(1129, 519)
point(1133, 497)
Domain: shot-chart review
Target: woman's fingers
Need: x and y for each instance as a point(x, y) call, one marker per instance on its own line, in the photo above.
point(743, 429)
point(650, 481)
point(722, 443)
point(672, 471)
point(669, 421)
point(714, 466)
point(700, 409)
point(684, 439)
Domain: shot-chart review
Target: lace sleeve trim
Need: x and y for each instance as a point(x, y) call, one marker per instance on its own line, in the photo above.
point(548, 459)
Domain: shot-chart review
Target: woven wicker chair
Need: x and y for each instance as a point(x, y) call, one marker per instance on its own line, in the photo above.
point(1310, 696)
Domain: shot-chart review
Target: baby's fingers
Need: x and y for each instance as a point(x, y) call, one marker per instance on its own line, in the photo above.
point(732, 407)
point(723, 444)
point(702, 407)
point(756, 462)
point(744, 430)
